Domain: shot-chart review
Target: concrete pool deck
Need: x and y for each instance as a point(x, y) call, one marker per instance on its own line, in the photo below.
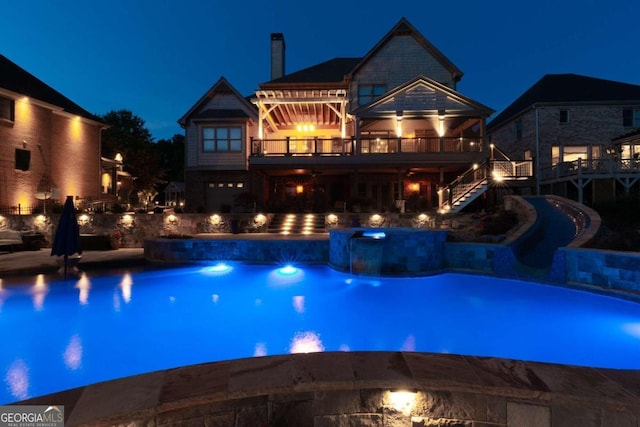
point(339, 388)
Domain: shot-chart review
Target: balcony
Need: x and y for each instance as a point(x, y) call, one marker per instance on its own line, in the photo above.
point(594, 168)
point(382, 150)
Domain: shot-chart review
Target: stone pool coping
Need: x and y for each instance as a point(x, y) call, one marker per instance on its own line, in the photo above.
point(352, 388)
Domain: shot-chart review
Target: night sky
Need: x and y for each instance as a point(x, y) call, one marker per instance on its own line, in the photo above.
point(158, 57)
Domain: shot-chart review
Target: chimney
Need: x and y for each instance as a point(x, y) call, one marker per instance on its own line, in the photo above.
point(277, 55)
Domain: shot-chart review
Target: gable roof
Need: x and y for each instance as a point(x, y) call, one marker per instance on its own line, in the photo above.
point(15, 79)
point(403, 27)
point(430, 95)
point(569, 88)
point(331, 71)
point(221, 86)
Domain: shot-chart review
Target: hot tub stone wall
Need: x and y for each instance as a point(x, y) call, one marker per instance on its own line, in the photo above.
point(401, 252)
point(605, 269)
point(230, 249)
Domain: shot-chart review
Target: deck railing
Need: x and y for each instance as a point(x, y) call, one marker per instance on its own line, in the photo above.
point(511, 169)
point(602, 166)
point(367, 145)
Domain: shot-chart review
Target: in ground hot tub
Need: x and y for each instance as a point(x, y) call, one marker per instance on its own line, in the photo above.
point(387, 251)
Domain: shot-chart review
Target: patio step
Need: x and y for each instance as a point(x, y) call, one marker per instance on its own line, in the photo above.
point(297, 224)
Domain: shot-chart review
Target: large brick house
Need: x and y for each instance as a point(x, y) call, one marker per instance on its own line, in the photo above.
point(384, 131)
point(582, 132)
point(49, 146)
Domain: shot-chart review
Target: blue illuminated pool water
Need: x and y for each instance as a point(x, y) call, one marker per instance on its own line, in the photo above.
point(64, 334)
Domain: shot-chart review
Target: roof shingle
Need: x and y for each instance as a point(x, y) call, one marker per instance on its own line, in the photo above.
point(332, 71)
point(569, 88)
point(16, 79)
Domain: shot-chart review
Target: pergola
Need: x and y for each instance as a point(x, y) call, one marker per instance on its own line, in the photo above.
point(295, 108)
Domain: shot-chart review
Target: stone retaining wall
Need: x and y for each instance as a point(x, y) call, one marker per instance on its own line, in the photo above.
point(356, 389)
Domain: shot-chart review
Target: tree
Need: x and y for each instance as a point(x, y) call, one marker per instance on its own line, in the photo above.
point(171, 157)
point(128, 136)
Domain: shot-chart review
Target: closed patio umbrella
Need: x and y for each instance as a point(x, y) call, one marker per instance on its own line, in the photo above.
point(67, 239)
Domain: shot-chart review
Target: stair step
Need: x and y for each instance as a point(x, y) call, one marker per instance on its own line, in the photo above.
point(297, 224)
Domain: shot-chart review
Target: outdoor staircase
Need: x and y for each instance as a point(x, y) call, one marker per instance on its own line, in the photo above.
point(297, 224)
point(464, 194)
point(475, 181)
point(464, 189)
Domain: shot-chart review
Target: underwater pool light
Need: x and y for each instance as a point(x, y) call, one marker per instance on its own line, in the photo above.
point(218, 268)
point(287, 270)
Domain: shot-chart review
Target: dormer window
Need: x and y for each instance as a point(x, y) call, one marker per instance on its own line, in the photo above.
point(370, 92)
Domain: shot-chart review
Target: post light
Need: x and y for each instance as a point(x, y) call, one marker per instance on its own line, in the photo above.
point(399, 124)
point(299, 189)
point(441, 115)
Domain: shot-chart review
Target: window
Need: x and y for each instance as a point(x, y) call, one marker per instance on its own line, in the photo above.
point(368, 93)
point(572, 154)
point(23, 159)
point(631, 117)
point(564, 116)
point(7, 109)
point(518, 130)
point(555, 155)
point(222, 139)
point(226, 184)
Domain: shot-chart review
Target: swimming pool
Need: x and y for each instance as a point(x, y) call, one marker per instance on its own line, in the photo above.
point(59, 334)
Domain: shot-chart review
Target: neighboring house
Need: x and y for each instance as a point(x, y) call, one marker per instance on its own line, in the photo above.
point(116, 184)
point(582, 132)
point(372, 132)
point(49, 146)
point(174, 194)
